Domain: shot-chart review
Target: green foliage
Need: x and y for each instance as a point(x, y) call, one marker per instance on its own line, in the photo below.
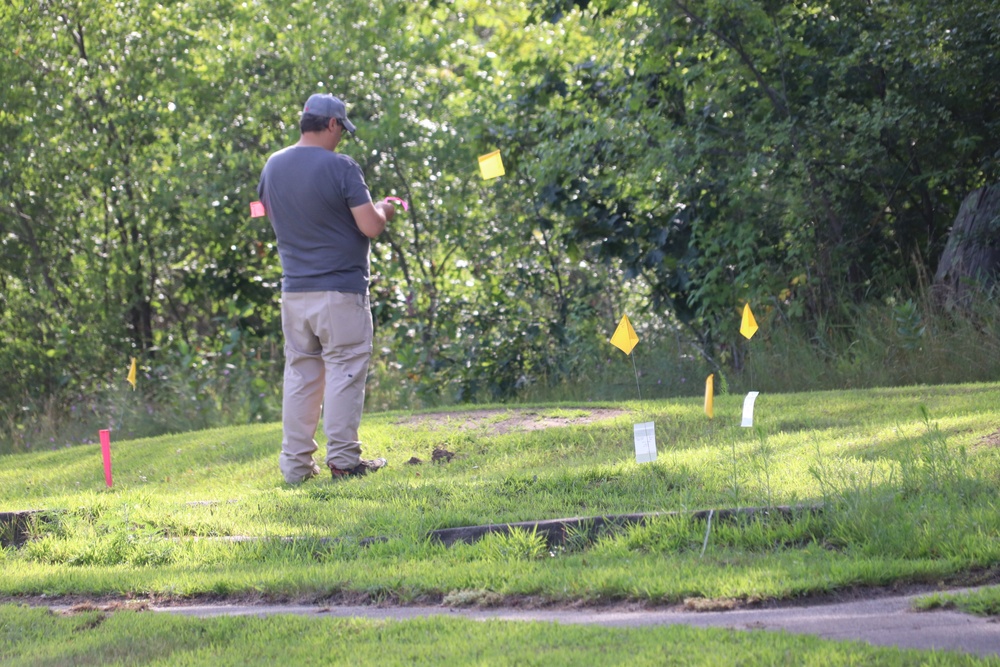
point(664, 158)
point(728, 151)
point(123, 222)
point(908, 325)
point(125, 230)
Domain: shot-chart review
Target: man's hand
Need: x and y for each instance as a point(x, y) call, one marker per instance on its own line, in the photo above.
point(388, 209)
point(371, 217)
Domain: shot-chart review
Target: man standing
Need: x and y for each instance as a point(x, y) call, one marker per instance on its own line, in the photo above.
point(324, 219)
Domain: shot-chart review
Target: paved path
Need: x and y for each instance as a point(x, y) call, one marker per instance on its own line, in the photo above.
point(884, 621)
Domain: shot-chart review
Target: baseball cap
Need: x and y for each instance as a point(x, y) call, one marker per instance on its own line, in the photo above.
point(328, 106)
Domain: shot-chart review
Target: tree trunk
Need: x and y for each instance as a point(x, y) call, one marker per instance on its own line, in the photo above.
point(971, 258)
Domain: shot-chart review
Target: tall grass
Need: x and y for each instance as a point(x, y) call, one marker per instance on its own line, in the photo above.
point(906, 341)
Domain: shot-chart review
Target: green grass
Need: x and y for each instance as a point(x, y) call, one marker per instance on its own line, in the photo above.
point(907, 478)
point(39, 637)
point(982, 602)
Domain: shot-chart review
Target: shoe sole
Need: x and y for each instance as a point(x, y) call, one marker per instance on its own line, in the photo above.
point(361, 468)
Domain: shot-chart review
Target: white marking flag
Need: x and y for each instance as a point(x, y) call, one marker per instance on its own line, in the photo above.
point(748, 409)
point(645, 442)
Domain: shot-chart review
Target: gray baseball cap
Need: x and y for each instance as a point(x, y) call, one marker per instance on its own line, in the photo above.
point(328, 106)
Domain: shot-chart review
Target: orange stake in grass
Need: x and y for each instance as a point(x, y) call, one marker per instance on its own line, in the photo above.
point(710, 395)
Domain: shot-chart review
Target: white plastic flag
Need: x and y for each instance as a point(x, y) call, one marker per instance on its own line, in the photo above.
point(748, 409)
point(645, 442)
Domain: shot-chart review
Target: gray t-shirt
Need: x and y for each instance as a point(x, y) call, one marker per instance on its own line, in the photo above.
point(308, 193)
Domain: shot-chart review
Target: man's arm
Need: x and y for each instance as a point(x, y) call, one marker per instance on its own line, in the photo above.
point(371, 218)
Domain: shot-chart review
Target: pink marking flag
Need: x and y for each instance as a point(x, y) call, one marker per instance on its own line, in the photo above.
point(401, 202)
point(257, 210)
point(106, 454)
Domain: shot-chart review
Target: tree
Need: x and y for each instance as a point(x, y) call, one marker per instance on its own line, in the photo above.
point(801, 155)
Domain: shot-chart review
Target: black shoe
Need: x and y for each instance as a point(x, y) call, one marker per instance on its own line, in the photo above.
point(363, 468)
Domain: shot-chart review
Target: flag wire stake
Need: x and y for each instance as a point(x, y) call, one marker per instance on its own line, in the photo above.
point(130, 380)
point(636, 371)
point(121, 414)
point(707, 531)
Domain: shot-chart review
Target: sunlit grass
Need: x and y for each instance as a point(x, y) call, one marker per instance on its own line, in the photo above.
point(36, 636)
point(984, 601)
point(905, 479)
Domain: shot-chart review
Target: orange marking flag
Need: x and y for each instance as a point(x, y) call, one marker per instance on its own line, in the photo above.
point(709, 395)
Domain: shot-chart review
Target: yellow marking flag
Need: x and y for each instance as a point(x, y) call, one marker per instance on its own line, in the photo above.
point(709, 395)
point(131, 374)
point(625, 337)
point(749, 326)
point(490, 165)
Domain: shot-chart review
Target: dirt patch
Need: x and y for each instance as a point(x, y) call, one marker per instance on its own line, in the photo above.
point(858, 593)
point(499, 422)
point(109, 603)
point(106, 608)
point(991, 440)
point(440, 454)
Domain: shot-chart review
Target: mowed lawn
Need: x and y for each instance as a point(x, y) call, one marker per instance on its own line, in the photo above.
point(32, 636)
point(894, 485)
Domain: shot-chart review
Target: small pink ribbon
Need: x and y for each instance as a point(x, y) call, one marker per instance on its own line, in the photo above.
point(406, 207)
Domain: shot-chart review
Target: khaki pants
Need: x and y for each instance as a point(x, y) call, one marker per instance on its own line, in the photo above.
point(328, 344)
